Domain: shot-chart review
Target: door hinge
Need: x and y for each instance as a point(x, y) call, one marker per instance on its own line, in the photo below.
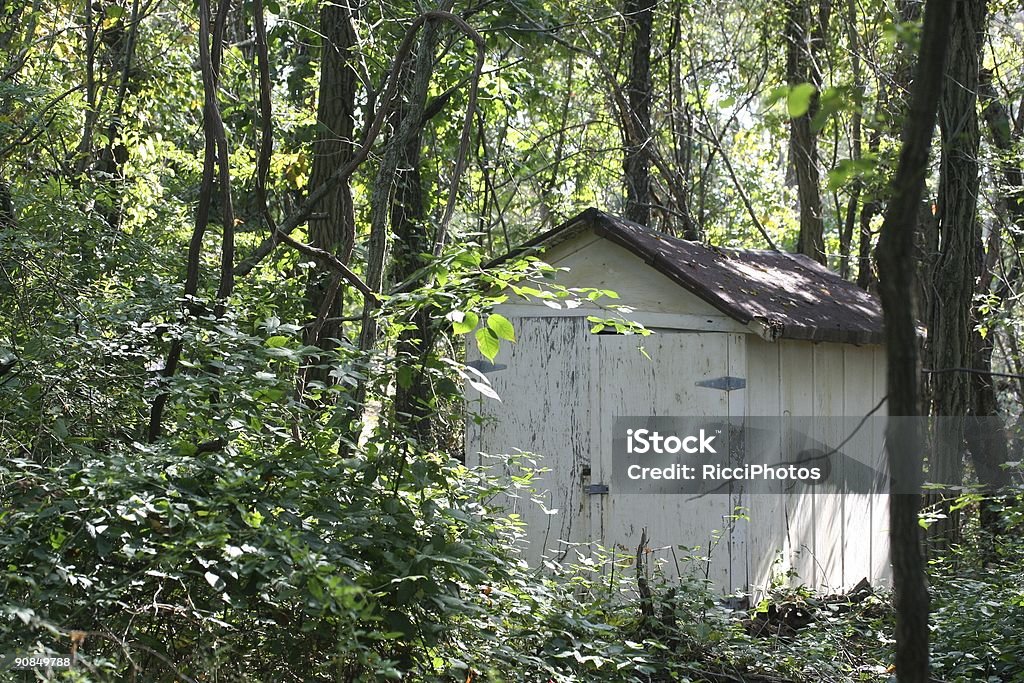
point(486, 366)
point(726, 383)
point(596, 489)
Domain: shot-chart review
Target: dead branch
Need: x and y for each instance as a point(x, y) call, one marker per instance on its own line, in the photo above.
point(332, 261)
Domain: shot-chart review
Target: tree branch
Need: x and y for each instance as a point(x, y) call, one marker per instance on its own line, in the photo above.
point(342, 173)
point(329, 259)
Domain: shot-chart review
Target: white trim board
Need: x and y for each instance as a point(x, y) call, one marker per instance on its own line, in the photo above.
point(672, 321)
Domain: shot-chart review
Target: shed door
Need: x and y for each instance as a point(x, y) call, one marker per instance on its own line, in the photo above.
point(664, 383)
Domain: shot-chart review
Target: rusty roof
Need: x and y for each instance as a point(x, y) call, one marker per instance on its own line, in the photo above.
point(789, 295)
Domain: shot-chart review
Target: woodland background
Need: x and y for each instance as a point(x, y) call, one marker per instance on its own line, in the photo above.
point(240, 254)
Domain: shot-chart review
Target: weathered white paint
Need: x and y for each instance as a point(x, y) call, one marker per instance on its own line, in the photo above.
point(545, 411)
point(830, 540)
point(562, 387)
point(596, 262)
point(664, 383)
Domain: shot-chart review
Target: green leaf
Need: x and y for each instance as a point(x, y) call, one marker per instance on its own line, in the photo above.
point(501, 327)
point(848, 169)
point(215, 581)
point(799, 99)
point(113, 15)
point(467, 324)
point(276, 342)
point(484, 389)
point(488, 343)
point(404, 377)
point(774, 95)
point(468, 259)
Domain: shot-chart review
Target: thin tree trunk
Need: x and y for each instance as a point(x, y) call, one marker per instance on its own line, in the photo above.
point(408, 123)
point(408, 214)
point(681, 126)
point(6, 205)
point(989, 447)
point(801, 68)
point(210, 46)
point(865, 274)
point(555, 173)
point(892, 93)
point(637, 128)
point(896, 285)
point(1004, 137)
point(85, 145)
point(856, 142)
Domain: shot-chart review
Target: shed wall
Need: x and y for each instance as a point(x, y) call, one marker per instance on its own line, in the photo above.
point(561, 387)
point(829, 540)
point(545, 413)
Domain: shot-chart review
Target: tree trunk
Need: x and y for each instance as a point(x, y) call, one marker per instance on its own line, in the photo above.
point(637, 127)
point(856, 139)
point(989, 447)
point(408, 214)
point(215, 158)
point(332, 226)
point(950, 322)
point(801, 37)
point(898, 82)
point(865, 274)
point(1005, 138)
point(896, 285)
point(397, 205)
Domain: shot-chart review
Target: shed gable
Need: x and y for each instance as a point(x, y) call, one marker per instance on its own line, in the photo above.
point(595, 262)
point(787, 295)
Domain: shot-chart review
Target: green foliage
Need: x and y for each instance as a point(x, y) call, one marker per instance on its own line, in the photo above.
point(290, 564)
point(798, 100)
point(978, 600)
point(282, 529)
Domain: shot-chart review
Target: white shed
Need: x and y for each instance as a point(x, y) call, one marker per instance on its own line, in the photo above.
point(738, 333)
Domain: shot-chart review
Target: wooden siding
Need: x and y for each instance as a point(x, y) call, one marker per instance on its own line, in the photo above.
point(830, 541)
point(596, 262)
point(561, 388)
point(663, 382)
point(544, 411)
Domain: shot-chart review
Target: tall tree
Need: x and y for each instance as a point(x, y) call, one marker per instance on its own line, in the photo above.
point(953, 278)
point(856, 137)
point(804, 35)
point(891, 103)
point(332, 225)
point(896, 287)
point(988, 447)
point(408, 222)
point(216, 169)
point(637, 126)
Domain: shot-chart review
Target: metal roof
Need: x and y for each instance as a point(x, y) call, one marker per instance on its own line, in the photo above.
point(786, 295)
